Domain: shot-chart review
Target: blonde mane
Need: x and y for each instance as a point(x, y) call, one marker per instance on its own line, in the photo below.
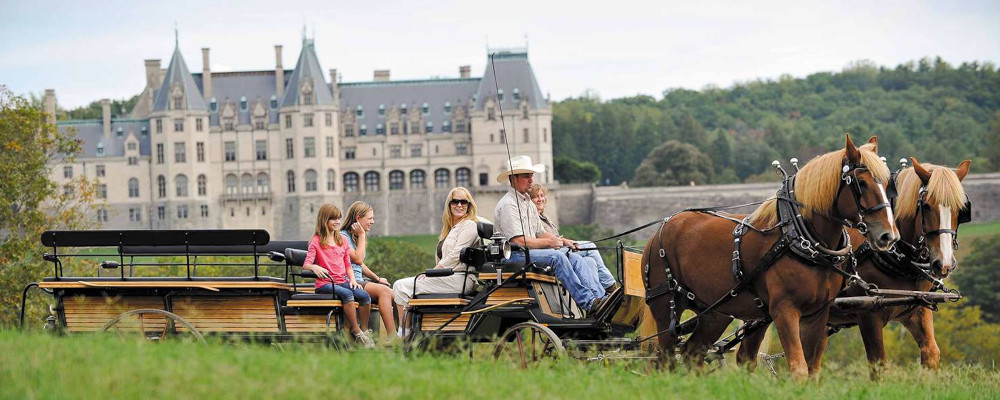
point(817, 182)
point(943, 189)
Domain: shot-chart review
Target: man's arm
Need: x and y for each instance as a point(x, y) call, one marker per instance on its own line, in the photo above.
point(545, 241)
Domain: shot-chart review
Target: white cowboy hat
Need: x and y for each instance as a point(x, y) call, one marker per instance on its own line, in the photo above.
point(519, 165)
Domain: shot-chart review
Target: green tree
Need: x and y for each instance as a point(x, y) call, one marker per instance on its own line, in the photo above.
point(30, 202)
point(674, 163)
point(394, 259)
point(979, 277)
point(568, 170)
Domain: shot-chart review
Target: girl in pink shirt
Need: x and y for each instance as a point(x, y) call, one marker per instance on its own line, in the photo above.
point(328, 257)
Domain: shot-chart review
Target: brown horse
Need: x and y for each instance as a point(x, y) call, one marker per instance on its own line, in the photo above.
point(696, 249)
point(929, 216)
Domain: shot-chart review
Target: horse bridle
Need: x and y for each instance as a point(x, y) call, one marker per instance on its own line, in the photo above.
point(849, 177)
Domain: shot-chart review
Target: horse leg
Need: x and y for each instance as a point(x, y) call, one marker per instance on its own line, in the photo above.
point(664, 340)
point(871, 326)
point(710, 328)
point(786, 320)
point(746, 356)
point(813, 336)
point(920, 323)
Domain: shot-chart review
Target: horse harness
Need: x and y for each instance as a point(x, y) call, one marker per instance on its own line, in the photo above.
point(796, 238)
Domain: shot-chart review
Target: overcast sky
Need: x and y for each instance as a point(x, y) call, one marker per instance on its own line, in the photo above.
point(91, 50)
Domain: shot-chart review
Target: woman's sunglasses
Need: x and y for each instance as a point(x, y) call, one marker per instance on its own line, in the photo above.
point(463, 202)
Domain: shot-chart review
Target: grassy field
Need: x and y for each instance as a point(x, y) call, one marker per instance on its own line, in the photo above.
point(104, 367)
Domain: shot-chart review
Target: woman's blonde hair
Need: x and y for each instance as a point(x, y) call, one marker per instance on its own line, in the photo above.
point(357, 210)
point(326, 213)
point(535, 189)
point(470, 213)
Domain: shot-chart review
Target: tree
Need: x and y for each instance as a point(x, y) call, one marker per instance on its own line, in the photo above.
point(979, 277)
point(674, 163)
point(568, 170)
point(30, 202)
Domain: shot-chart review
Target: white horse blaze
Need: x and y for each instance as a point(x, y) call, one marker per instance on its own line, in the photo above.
point(946, 239)
point(888, 210)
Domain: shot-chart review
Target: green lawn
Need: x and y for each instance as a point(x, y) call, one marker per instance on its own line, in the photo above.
point(969, 232)
point(103, 367)
point(425, 242)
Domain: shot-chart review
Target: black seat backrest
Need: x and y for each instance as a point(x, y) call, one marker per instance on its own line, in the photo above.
point(295, 257)
point(107, 238)
point(485, 229)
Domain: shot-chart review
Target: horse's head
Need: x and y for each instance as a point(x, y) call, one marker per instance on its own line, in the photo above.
point(932, 208)
point(866, 199)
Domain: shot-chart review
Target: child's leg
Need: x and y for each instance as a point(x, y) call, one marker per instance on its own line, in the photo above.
point(349, 307)
point(383, 295)
point(364, 306)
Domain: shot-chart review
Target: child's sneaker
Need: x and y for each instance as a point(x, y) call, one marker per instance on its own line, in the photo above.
point(365, 340)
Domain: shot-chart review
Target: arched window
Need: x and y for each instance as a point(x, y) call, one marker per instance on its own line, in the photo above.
point(263, 183)
point(202, 185)
point(246, 183)
point(310, 178)
point(463, 177)
point(417, 179)
point(161, 186)
point(231, 183)
point(331, 179)
point(371, 181)
point(133, 187)
point(396, 180)
point(351, 182)
point(442, 178)
point(181, 181)
point(290, 177)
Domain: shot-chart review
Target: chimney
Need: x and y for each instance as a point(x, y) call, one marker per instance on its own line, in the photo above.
point(106, 117)
point(206, 74)
point(381, 75)
point(152, 75)
point(50, 105)
point(463, 71)
point(279, 72)
point(335, 85)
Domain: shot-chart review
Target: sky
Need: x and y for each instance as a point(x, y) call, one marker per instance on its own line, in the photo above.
point(92, 50)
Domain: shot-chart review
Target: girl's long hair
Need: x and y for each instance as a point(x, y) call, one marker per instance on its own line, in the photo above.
point(470, 212)
point(357, 210)
point(326, 213)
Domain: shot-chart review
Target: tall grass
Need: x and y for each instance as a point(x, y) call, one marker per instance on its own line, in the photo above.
point(36, 365)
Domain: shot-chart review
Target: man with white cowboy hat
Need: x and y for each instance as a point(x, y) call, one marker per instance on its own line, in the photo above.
point(517, 219)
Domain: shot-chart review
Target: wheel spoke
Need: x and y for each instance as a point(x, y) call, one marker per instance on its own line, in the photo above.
point(520, 349)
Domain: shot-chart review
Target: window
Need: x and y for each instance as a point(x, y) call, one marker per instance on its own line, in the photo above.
point(461, 149)
point(228, 123)
point(463, 177)
point(310, 178)
point(132, 146)
point(102, 215)
point(68, 190)
point(395, 151)
point(349, 130)
point(144, 132)
point(159, 153)
point(484, 179)
point(363, 131)
point(182, 212)
point(259, 124)
point(213, 105)
point(517, 95)
point(429, 128)
point(351, 182)
point(396, 180)
point(442, 178)
point(161, 212)
point(178, 103)
point(491, 138)
point(181, 181)
point(360, 112)
point(446, 126)
point(307, 120)
point(491, 114)
point(290, 177)
point(349, 153)
point(402, 109)
point(133, 160)
point(417, 179)
point(289, 148)
point(260, 147)
point(120, 132)
point(524, 112)
point(68, 172)
point(288, 121)
point(328, 119)
point(527, 138)
point(416, 127)
point(180, 152)
point(380, 129)
point(500, 95)
point(133, 188)
point(135, 214)
point(231, 183)
point(159, 126)
point(202, 185)
point(204, 210)
point(503, 136)
point(230, 148)
point(263, 183)
point(371, 181)
point(246, 182)
point(100, 149)
point(416, 150)
point(545, 135)
point(381, 110)
point(161, 186)
point(425, 109)
point(102, 191)
point(329, 146)
point(309, 145)
point(243, 103)
point(274, 102)
point(331, 180)
point(178, 124)
point(200, 150)
point(198, 125)
point(394, 128)
point(405, 127)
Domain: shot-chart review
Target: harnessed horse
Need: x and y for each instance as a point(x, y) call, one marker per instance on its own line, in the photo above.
point(931, 206)
point(791, 274)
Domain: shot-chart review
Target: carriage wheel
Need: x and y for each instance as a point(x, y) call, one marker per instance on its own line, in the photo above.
point(150, 324)
point(528, 343)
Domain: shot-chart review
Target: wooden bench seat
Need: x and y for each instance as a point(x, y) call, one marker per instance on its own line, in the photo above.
point(439, 302)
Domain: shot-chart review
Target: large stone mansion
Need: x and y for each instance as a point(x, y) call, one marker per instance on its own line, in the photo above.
point(264, 149)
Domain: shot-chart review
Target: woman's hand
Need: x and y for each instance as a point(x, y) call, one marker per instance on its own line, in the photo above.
point(357, 230)
point(383, 281)
point(320, 272)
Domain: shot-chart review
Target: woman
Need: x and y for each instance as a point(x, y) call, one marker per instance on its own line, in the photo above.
point(327, 257)
point(537, 193)
point(458, 230)
point(359, 221)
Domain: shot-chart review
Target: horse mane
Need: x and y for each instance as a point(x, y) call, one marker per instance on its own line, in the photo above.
point(816, 184)
point(944, 189)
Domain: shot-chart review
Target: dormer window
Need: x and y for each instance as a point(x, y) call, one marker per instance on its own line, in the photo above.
point(360, 112)
point(426, 109)
point(446, 126)
point(121, 132)
point(177, 96)
point(363, 131)
point(500, 95)
point(380, 129)
point(274, 102)
point(243, 103)
point(144, 131)
point(306, 91)
point(381, 110)
point(402, 109)
point(447, 107)
point(429, 128)
point(517, 95)
point(213, 105)
point(100, 149)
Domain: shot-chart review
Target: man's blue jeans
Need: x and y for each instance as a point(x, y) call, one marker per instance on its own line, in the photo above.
point(577, 275)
